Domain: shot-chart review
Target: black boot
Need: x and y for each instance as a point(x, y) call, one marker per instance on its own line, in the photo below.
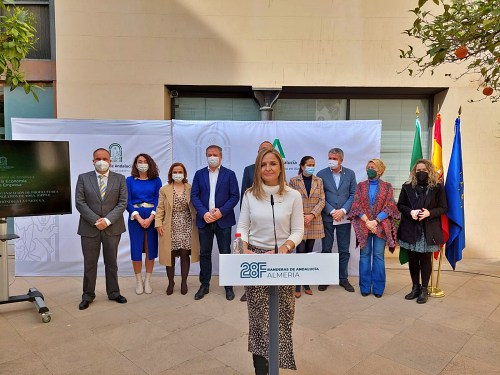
point(260, 364)
point(422, 298)
point(415, 292)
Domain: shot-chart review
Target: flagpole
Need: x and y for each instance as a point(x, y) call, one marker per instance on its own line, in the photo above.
point(435, 291)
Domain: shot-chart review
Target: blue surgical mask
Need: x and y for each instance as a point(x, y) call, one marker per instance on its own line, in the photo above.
point(309, 170)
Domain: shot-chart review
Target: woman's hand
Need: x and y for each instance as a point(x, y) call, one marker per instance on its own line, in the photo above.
point(424, 212)
point(307, 219)
point(146, 222)
point(282, 250)
point(414, 214)
point(371, 225)
point(160, 231)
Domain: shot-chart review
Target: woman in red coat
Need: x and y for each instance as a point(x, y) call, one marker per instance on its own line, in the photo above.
point(372, 213)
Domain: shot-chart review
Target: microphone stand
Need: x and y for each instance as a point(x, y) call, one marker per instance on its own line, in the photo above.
point(274, 314)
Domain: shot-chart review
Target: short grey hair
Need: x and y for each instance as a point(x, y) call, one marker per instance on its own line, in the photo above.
point(337, 151)
point(214, 146)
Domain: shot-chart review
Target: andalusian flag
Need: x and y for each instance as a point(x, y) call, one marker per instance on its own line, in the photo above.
point(416, 154)
point(437, 160)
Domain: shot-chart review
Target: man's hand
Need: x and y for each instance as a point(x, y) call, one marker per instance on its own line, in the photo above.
point(160, 231)
point(216, 213)
point(209, 217)
point(101, 224)
point(338, 215)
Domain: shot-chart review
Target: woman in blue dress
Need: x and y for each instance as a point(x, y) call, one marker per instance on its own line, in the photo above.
point(143, 191)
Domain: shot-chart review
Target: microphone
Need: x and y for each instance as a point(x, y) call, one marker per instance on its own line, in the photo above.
point(274, 226)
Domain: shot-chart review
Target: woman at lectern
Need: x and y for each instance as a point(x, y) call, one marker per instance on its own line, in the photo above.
point(422, 201)
point(310, 188)
point(256, 226)
point(176, 225)
point(143, 189)
point(372, 214)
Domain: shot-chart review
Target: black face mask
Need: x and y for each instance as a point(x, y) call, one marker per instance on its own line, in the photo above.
point(422, 177)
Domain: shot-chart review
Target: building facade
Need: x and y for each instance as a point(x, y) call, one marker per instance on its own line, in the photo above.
point(320, 60)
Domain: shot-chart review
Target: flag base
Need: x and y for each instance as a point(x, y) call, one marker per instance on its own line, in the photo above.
point(435, 292)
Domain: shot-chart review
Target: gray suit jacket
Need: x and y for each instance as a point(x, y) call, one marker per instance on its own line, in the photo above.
point(337, 198)
point(92, 207)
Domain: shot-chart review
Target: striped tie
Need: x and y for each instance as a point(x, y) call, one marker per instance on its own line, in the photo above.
point(102, 186)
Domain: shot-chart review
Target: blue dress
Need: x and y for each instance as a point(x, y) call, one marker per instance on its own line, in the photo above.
point(142, 191)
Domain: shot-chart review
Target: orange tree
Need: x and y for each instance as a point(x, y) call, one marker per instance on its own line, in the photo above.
point(458, 31)
point(17, 36)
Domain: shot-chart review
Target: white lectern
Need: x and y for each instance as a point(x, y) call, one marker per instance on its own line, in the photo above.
point(275, 270)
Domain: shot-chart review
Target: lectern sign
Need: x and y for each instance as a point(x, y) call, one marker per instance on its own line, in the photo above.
point(279, 269)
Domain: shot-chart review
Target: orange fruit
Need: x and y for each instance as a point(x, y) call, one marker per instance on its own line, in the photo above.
point(461, 52)
point(487, 91)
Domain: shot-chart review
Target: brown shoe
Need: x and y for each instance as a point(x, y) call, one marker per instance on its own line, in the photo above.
point(243, 297)
point(308, 291)
point(297, 294)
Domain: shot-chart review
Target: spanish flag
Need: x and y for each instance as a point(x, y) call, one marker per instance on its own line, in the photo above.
point(437, 160)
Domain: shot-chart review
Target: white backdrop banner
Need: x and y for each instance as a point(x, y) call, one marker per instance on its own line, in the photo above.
point(240, 140)
point(49, 245)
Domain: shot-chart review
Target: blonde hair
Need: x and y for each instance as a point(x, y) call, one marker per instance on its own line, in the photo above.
point(433, 176)
point(256, 188)
point(379, 164)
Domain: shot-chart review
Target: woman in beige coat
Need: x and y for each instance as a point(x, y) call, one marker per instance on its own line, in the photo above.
point(175, 223)
point(313, 199)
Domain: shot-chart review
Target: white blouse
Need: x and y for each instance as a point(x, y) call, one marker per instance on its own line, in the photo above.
point(256, 218)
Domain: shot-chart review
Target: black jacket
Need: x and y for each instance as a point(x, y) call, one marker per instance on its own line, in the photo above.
point(437, 205)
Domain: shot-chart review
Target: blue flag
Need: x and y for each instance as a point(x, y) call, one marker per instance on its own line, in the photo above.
point(454, 188)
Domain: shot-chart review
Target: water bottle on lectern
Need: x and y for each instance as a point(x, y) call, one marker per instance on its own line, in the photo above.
point(237, 244)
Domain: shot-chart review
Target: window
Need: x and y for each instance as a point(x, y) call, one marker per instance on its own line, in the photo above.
point(398, 131)
point(237, 109)
point(41, 10)
point(397, 115)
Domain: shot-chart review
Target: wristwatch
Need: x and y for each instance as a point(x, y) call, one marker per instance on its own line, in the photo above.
point(377, 220)
point(288, 247)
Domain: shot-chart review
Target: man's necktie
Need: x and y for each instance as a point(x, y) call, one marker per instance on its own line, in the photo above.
point(102, 186)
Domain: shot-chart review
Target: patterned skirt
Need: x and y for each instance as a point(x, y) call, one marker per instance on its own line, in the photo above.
point(258, 321)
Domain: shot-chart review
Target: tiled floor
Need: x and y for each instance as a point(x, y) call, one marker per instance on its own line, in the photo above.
point(335, 332)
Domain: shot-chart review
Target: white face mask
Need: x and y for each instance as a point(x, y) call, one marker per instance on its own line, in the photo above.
point(101, 166)
point(142, 167)
point(333, 164)
point(177, 177)
point(213, 161)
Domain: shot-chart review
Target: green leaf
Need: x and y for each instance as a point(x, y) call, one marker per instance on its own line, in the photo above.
point(421, 3)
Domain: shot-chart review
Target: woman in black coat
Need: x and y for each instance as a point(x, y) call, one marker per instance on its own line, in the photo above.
point(422, 201)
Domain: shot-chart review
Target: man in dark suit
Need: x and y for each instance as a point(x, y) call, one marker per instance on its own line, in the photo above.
point(214, 195)
point(340, 185)
point(101, 199)
point(247, 181)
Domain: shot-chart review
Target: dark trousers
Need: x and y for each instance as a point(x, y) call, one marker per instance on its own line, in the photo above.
point(206, 234)
point(91, 248)
point(343, 243)
point(305, 246)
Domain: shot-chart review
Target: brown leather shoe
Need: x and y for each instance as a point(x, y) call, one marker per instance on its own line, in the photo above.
point(243, 297)
point(308, 291)
point(297, 294)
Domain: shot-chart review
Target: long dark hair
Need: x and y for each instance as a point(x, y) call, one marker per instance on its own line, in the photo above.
point(303, 162)
point(153, 170)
